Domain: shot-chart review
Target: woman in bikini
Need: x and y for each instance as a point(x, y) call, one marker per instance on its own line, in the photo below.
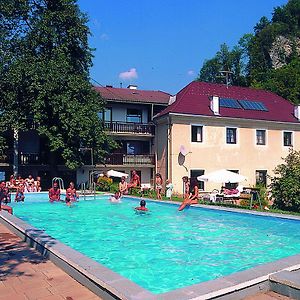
point(71, 194)
point(158, 185)
point(193, 195)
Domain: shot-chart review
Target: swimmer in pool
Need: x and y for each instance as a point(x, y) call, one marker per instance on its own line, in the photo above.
point(116, 198)
point(142, 206)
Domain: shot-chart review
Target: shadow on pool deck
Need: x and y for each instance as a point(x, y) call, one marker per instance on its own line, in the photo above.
point(26, 274)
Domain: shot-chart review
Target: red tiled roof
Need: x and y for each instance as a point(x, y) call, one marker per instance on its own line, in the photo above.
point(195, 99)
point(132, 95)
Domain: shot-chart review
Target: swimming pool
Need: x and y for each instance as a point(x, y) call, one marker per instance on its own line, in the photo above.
point(163, 250)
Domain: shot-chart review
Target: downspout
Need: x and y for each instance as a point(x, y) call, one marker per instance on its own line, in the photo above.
point(169, 160)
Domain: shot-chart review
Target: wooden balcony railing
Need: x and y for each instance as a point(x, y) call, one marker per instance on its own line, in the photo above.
point(120, 127)
point(126, 159)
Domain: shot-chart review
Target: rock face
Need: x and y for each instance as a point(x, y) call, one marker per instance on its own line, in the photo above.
point(282, 48)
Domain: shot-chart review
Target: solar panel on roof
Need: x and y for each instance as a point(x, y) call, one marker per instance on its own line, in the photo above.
point(230, 103)
point(253, 105)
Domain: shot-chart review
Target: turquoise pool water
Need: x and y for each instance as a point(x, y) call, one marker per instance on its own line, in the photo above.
point(164, 249)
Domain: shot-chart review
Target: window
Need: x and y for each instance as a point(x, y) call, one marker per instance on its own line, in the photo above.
point(287, 138)
point(134, 116)
point(105, 115)
point(136, 147)
point(197, 133)
point(261, 177)
point(231, 135)
point(195, 174)
point(260, 137)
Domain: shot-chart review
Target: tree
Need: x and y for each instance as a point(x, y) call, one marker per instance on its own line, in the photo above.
point(224, 60)
point(285, 184)
point(44, 75)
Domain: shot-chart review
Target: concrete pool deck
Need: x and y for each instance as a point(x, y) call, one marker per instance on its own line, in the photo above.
point(109, 285)
point(26, 275)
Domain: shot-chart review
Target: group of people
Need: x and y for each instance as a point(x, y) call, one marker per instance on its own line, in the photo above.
point(159, 187)
point(21, 185)
point(71, 194)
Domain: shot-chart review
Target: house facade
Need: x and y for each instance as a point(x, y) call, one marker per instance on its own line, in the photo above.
point(212, 126)
point(128, 119)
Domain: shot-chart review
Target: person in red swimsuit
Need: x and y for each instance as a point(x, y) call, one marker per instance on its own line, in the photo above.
point(135, 180)
point(142, 206)
point(71, 194)
point(54, 193)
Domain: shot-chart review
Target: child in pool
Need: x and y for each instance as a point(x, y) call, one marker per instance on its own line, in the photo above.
point(142, 206)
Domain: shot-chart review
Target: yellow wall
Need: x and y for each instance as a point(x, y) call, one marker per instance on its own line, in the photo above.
point(213, 153)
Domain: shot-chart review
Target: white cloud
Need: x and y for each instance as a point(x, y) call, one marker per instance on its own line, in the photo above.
point(191, 72)
point(127, 75)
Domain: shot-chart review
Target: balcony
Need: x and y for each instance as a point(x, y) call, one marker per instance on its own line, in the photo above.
point(130, 160)
point(134, 128)
point(29, 159)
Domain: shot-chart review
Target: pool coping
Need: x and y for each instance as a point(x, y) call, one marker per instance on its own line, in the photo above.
point(110, 285)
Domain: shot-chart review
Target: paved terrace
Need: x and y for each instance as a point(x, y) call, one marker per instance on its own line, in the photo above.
point(27, 275)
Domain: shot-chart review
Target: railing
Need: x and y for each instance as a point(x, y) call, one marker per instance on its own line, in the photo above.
point(29, 158)
point(120, 127)
point(124, 159)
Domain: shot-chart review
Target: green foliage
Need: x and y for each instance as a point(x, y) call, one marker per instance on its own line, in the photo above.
point(285, 185)
point(44, 74)
point(104, 184)
point(114, 187)
point(252, 61)
point(225, 60)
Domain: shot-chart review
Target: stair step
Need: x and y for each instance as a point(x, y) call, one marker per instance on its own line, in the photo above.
point(286, 283)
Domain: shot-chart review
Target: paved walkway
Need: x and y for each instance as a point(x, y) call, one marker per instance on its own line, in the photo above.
point(26, 275)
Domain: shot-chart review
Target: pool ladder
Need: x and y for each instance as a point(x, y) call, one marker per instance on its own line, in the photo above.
point(59, 181)
point(92, 188)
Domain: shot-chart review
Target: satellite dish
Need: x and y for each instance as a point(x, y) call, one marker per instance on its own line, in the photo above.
point(183, 151)
point(181, 156)
point(181, 159)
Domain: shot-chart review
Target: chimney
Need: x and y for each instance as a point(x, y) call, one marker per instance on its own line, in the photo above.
point(214, 105)
point(132, 87)
point(172, 99)
point(109, 86)
point(297, 112)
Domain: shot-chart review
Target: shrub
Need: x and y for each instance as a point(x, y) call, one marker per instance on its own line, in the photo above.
point(114, 187)
point(285, 185)
point(104, 183)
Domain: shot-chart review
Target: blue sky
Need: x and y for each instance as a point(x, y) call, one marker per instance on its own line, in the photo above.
point(162, 44)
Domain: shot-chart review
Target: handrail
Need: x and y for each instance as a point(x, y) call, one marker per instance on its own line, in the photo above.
point(83, 188)
point(59, 181)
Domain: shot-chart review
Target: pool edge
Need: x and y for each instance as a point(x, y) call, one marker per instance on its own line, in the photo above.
point(110, 285)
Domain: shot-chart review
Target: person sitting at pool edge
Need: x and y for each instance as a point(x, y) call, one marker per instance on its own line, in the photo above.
point(54, 193)
point(142, 206)
point(135, 180)
point(123, 186)
point(193, 196)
